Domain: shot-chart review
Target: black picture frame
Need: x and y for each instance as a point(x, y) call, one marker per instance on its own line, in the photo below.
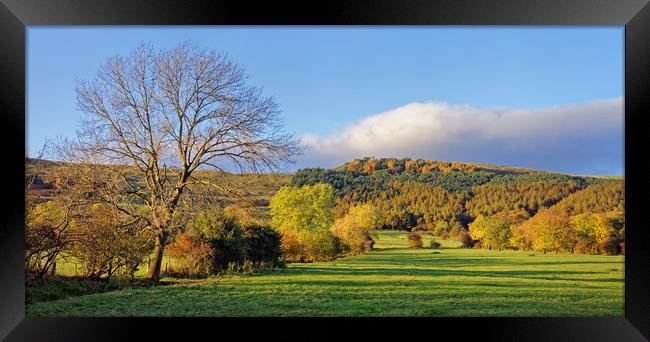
point(15, 15)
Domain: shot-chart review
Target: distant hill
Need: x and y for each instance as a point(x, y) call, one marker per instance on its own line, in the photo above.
point(424, 193)
point(254, 189)
point(417, 193)
point(369, 174)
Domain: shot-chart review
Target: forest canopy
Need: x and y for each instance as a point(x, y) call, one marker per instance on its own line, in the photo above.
point(498, 206)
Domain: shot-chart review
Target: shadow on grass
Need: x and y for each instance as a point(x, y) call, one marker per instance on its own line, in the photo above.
point(421, 287)
point(442, 260)
point(396, 272)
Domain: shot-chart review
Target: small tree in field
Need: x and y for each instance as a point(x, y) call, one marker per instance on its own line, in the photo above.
point(154, 117)
point(414, 240)
point(355, 227)
point(304, 216)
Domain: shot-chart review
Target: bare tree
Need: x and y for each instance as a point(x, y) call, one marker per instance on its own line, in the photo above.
point(155, 117)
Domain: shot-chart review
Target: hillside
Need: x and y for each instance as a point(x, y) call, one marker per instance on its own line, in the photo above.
point(364, 175)
point(254, 189)
point(423, 193)
point(413, 193)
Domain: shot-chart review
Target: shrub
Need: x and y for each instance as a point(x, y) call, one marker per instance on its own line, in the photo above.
point(622, 245)
point(609, 246)
point(465, 240)
point(310, 246)
point(584, 245)
point(320, 246)
point(107, 244)
point(434, 244)
point(262, 246)
point(225, 236)
point(442, 228)
point(421, 228)
point(48, 233)
point(292, 247)
point(245, 216)
point(594, 228)
point(414, 240)
point(455, 231)
point(192, 257)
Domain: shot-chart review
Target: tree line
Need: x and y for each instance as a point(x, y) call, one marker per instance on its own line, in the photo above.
point(493, 209)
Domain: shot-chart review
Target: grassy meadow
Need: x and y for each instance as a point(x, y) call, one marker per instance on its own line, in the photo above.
point(392, 280)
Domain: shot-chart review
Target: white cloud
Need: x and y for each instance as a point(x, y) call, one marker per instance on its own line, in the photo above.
point(571, 138)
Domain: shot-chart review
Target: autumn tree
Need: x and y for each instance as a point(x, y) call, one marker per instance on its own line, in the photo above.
point(492, 232)
point(355, 227)
point(592, 230)
point(549, 230)
point(165, 114)
point(304, 216)
point(305, 208)
point(370, 166)
point(414, 240)
point(411, 164)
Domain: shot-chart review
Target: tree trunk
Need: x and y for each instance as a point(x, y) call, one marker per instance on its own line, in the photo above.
point(156, 261)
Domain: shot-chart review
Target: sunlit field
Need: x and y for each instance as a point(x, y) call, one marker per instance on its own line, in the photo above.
point(392, 280)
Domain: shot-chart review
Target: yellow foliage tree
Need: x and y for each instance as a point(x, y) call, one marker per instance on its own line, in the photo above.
point(303, 216)
point(549, 230)
point(411, 165)
point(370, 166)
point(593, 229)
point(355, 227)
point(306, 208)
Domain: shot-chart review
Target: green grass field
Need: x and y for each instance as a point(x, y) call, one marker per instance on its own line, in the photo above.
point(390, 281)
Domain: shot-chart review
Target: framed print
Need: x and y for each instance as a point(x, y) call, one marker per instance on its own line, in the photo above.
point(324, 171)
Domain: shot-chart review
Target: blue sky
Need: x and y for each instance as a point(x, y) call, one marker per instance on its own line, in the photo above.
point(339, 86)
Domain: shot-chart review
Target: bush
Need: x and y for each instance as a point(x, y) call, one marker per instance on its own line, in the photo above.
point(192, 257)
point(434, 244)
point(609, 246)
point(465, 240)
point(622, 245)
point(48, 233)
point(583, 246)
point(236, 248)
point(225, 236)
point(262, 246)
point(321, 246)
point(420, 228)
point(309, 246)
point(455, 231)
point(414, 240)
point(549, 230)
point(107, 245)
point(492, 231)
point(292, 247)
point(442, 228)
